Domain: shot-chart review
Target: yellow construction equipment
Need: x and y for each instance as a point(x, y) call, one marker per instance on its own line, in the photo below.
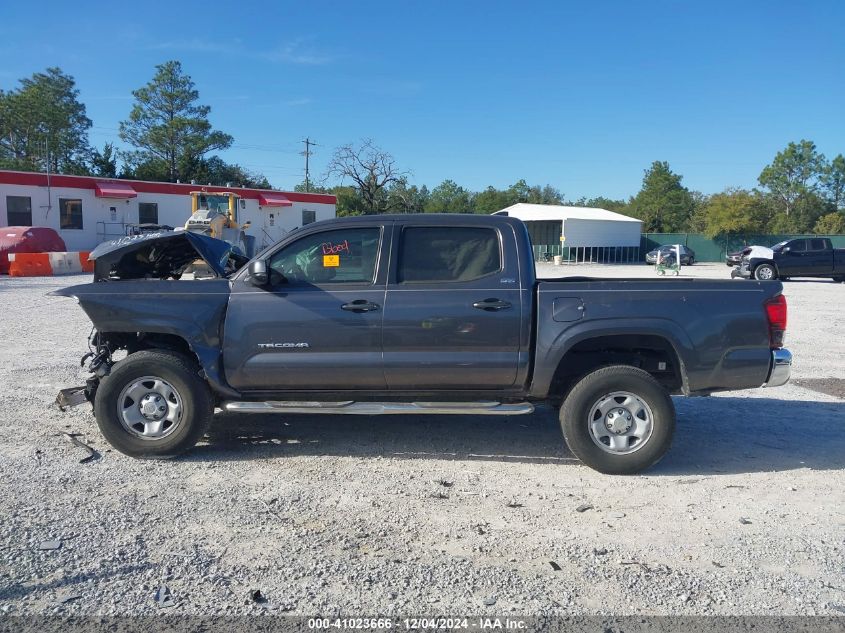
point(216, 215)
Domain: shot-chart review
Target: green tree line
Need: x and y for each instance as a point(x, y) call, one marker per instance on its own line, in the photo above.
point(44, 125)
point(800, 191)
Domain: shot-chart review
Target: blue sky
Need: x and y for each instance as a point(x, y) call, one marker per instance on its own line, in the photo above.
point(581, 95)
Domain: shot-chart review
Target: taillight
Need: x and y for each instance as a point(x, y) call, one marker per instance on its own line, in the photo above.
point(776, 314)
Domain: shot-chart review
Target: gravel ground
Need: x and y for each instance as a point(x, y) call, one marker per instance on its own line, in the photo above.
point(358, 516)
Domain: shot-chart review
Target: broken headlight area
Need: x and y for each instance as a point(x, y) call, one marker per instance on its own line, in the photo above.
point(99, 362)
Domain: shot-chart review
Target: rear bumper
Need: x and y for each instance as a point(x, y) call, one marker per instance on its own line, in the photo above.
point(780, 369)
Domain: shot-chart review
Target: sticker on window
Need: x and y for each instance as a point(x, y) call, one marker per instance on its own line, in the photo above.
point(336, 249)
point(331, 261)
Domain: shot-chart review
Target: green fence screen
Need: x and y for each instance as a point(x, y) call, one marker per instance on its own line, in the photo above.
point(714, 250)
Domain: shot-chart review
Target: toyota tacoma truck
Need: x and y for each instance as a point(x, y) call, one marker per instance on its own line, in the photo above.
point(410, 314)
point(801, 257)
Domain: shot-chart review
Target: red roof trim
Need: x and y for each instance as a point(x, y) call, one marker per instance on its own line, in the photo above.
point(114, 190)
point(271, 200)
point(140, 186)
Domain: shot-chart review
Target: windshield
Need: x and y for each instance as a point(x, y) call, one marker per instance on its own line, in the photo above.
point(214, 203)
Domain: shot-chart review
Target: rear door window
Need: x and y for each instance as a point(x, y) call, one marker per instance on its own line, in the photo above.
point(818, 245)
point(448, 253)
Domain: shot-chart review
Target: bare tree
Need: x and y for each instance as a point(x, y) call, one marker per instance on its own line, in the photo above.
point(370, 168)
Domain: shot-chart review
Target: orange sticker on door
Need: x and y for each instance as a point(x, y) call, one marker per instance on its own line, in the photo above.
point(331, 261)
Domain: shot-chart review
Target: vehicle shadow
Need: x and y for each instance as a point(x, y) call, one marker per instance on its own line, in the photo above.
point(714, 435)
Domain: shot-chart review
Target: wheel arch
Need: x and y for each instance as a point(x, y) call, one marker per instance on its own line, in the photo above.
point(206, 359)
point(644, 348)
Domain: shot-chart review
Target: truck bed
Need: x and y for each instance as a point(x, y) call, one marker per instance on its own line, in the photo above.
point(717, 329)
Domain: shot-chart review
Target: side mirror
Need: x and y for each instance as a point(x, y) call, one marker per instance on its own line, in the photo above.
point(786, 249)
point(258, 274)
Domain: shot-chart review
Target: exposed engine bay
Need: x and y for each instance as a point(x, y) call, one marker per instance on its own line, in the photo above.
point(164, 255)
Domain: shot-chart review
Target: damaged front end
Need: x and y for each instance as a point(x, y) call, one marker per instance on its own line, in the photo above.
point(135, 303)
point(99, 361)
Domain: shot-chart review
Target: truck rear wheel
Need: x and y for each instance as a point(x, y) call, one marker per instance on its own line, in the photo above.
point(618, 420)
point(153, 404)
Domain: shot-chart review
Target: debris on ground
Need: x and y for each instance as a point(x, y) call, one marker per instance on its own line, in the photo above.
point(745, 521)
point(443, 482)
point(583, 507)
point(642, 566)
point(163, 597)
point(490, 601)
point(555, 566)
point(513, 504)
point(50, 545)
point(601, 551)
point(64, 598)
point(92, 453)
point(256, 596)
point(617, 515)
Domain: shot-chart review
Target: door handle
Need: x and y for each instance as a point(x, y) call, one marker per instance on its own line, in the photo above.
point(491, 305)
point(360, 305)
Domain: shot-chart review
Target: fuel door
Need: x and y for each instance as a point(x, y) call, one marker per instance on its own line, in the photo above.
point(567, 309)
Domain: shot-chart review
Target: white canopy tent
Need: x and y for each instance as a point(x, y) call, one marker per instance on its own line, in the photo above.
point(579, 233)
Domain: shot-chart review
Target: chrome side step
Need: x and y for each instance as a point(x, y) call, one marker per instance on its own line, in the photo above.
point(380, 408)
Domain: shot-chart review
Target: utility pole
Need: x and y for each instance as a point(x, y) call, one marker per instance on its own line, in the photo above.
point(307, 153)
point(47, 160)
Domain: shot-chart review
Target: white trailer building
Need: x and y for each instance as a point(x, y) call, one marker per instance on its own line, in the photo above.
point(86, 211)
point(579, 233)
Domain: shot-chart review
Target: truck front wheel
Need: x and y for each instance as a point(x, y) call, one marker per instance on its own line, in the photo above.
point(618, 420)
point(153, 404)
point(765, 272)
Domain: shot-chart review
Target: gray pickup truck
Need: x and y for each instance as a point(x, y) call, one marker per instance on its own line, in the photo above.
point(410, 314)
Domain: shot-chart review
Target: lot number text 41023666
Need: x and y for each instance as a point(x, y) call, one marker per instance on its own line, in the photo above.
point(420, 624)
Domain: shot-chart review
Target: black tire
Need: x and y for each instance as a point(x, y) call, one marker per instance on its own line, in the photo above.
point(765, 272)
point(589, 391)
point(839, 279)
point(195, 402)
point(691, 261)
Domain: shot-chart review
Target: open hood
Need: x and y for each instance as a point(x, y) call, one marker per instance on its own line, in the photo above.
point(162, 255)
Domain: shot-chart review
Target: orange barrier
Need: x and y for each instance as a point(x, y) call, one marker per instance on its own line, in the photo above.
point(46, 264)
point(29, 265)
point(87, 267)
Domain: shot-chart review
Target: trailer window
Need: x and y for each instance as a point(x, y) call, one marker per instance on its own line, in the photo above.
point(448, 253)
point(147, 213)
point(70, 214)
point(19, 210)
